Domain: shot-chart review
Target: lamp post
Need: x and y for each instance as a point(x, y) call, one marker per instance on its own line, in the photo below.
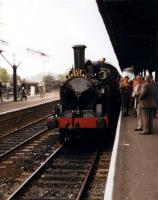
point(15, 82)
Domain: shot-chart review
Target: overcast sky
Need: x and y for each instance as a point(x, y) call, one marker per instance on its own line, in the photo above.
point(52, 26)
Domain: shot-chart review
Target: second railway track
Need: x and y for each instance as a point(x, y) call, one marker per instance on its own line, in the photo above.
point(17, 138)
point(15, 119)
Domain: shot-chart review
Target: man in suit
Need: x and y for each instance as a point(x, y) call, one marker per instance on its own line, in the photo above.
point(136, 94)
point(147, 103)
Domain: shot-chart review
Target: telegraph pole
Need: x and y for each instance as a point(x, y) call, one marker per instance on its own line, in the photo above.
point(41, 54)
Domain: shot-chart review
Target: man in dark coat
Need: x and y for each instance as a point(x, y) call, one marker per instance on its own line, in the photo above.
point(147, 103)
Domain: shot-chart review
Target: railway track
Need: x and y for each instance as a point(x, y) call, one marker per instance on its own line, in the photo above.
point(74, 188)
point(16, 139)
point(67, 174)
point(18, 118)
point(95, 186)
point(18, 165)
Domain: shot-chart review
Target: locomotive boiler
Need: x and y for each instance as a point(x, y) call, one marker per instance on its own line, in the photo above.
point(89, 99)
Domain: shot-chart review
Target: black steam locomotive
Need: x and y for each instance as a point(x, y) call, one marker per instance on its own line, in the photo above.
point(89, 99)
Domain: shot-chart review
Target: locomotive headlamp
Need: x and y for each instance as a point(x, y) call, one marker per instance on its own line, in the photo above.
point(102, 75)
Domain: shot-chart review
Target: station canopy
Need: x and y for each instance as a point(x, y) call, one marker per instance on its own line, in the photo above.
point(133, 29)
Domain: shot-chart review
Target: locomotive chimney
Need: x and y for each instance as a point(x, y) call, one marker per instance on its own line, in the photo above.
point(79, 56)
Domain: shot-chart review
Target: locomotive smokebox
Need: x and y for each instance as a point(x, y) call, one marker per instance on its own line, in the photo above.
point(79, 56)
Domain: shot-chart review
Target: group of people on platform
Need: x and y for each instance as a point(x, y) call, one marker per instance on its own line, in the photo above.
point(22, 90)
point(142, 94)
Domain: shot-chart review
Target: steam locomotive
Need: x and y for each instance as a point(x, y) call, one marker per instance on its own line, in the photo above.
point(89, 99)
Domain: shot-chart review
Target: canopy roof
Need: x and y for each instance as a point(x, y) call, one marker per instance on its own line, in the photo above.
point(133, 29)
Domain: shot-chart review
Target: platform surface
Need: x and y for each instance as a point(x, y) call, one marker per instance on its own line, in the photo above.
point(136, 175)
point(9, 104)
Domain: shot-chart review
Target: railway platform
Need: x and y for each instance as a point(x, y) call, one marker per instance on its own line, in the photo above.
point(9, 104)
point(135, 168)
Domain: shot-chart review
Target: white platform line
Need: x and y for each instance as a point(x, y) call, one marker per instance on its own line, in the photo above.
point(108, 195)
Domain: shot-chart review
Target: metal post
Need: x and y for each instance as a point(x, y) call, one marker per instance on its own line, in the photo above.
point(14, 76)
point(14, 82)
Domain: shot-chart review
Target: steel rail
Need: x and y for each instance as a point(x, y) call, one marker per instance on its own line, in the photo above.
point(20, 129)
point(23, 185)
point(22, 143)
point(87, 177)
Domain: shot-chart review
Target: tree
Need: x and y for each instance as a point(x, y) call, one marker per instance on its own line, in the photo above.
point(4, 76)
point(49, 82)
point(62, 77)
point(48, 78)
